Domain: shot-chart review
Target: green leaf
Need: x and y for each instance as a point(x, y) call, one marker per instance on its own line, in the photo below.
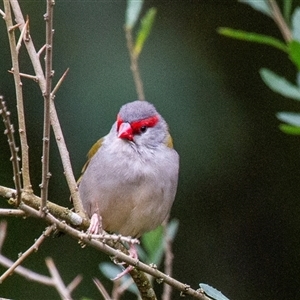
point(153, 244)
point(290, 118)
point(288, 129)
point(287, 7)
point(279, 84)
point(253, 37)
point(212, 292)
point(261, 5)
point(296, 24)
point(294, 53)
point(145, 29)
point(133, 11)
point(153, 241)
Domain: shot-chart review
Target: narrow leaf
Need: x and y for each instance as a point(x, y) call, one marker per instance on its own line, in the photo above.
point(287, 7)
point(153, 243)
point(290, 118)
point(133, 11)
point(288, 129)
point(296, 24)
point(253, 37)
point(261, 6)
point(152, 240)
point(145, 29)
point(279, 84)
point(212, 292)
point(294, 52)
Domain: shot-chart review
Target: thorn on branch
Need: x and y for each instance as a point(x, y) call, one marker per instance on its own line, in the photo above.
point(14, 27)
point(2, 13)
point(23, 32)
point(41, 51)
point(60, 81)
point(27, 32)
point(9, 131)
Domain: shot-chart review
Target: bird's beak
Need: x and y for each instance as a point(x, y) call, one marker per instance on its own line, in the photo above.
point(125, 131)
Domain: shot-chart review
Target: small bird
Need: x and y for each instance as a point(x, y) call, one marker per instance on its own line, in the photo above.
point(130, 180)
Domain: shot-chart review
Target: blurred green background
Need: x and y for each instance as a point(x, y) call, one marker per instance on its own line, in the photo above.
point(238, 195)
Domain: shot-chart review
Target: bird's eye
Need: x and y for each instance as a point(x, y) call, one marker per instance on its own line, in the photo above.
point(143, 129)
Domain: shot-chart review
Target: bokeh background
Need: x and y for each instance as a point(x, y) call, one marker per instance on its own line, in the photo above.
point(238, 195)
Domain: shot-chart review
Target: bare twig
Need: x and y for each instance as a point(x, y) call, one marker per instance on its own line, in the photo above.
point(34, 78)
point(3, 227)
point(13, 27)
point(2, 13)
point(28, 274)
point(111, 237)
point(58, 283)
point(19, 95)
point(24, 255)
point(134, 64)
point(13, 149)
point(60, 81)
point(41, 51)
point(167, 291)
point(279, 20)
point(34, 57)
point(63, 213)
point(119, 288)
point(74, 283)
point(102, 289)
point(8, 212)
point(21, 36)
point(120, 256)
point(47, 99)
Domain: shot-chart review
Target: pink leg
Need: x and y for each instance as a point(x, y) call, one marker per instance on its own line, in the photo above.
point(95, 224)
point(133, 253)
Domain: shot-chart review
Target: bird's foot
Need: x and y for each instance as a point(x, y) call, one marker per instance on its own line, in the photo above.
point(95, 224)
point(132, 253)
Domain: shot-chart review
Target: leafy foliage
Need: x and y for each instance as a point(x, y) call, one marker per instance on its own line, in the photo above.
point(290, 46)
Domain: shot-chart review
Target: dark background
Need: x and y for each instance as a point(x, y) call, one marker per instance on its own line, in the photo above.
point(238, 194)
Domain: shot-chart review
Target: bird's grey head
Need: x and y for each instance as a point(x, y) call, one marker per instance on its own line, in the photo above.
point(140, 123)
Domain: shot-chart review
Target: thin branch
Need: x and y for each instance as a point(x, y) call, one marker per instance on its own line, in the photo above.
point(34, 57)
point(47, 99)
point(279, 20)
point(41, 51)
point(13, 149)
point(74, 283)
point(134, 64)
point(111, 237)
point(14, 27)
point(8, 212)
point(26, 273)
point(117, 254)
point(34, 78)
point(167, 291)
point(58, 282)
point(24, 255)
point(60, 81)
point(19, 95)
point(29, 275)
point(21, 35)
point(102, 289)
point(3, 227)
point(2, 13)
point(34, 201)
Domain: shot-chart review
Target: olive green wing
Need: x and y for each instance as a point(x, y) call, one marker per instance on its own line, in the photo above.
point(90, 154)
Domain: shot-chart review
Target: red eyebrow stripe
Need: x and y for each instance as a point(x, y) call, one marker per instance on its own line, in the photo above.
point(149, 122)
point(136, 125)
